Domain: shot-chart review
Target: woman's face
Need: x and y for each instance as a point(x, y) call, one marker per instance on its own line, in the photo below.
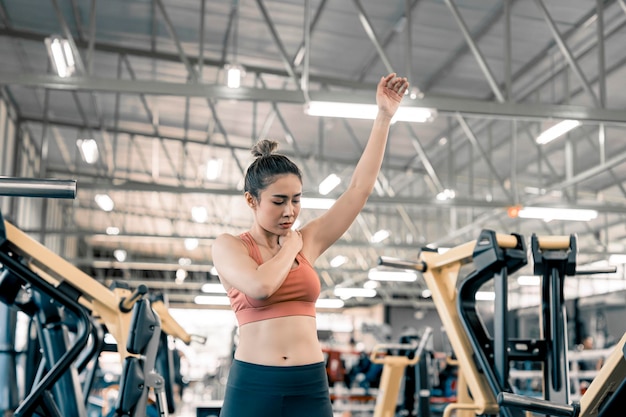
point(278, 205)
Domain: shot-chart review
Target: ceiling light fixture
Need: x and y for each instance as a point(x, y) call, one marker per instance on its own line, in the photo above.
point(213, 168)
point(556, 131)
point(234, 71)
point(88, 150)
point(104, 202)
point(329, 303)
point(181, 275)
point(191, 243)
point(547, 214)
point(199, 214)
point(379, 236)
point(120, 255)
point(383, 275)
point(61, 56)
point(345, 293)
point(234, 74)
point(329, 183)
point(446, 194)
point(617, 259)
point(213, 300)
point(485, 296)
point(528, 280)
point(366, 111)
point(338, 260)
point(211, 287)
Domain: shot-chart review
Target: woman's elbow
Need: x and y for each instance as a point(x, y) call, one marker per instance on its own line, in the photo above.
point(261, 291)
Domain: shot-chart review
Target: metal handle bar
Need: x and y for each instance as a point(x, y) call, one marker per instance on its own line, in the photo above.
point(32, 187)
point(538, 405)
point(127, 303)
point(401, 263)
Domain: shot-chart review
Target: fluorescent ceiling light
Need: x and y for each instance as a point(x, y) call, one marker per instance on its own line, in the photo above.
point(213, 288)
point(191, 243)
point(234, 73)
point(426, 293)
point(88, 150)
point(184, 261)
point(371, 284)
point(329, 183)
point(557, 130)
point(120, 255)
point(528, 280)
point(485, 296)
point(617, 259)
point(548, 214)
point(329, 303)
point(113, 231)
point(60, 53)
point(379, 236)
point(104, 202)
point(345, 293)
point(316, 203)
point(213, 300)
point(213, 271)
point(446, 194)
point(199, 214)
point(337, 261)
point(366, 111)
point(383, 275)
point(213, 168)
point(181, 274)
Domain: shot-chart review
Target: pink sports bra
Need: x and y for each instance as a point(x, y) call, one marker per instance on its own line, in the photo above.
point(295, 297)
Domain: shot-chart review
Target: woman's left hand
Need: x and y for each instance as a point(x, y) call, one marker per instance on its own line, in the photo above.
point(389, 93)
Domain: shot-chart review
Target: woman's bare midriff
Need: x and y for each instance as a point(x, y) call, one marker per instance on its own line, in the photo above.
point(283, 341)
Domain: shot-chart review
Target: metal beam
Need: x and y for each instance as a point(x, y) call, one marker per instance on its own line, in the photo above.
point(482, 63)
point(444, 105)
point(566, 52)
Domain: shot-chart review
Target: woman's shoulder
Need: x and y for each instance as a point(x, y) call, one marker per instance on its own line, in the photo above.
point(227, 240)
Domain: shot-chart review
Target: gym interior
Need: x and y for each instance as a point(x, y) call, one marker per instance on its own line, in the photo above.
point(484, 277)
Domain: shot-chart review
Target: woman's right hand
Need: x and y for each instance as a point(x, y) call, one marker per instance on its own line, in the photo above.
point(292, 240)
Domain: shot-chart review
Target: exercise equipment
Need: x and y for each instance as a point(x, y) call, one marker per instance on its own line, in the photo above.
point(440, 272)
point(393, 372)
point(94, 306)
point(484, 361)
point(139, 373)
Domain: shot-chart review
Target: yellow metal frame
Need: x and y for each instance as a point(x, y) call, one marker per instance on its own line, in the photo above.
point(606, 381)
point(441, 272)
point(101, 301)
point(391, 378)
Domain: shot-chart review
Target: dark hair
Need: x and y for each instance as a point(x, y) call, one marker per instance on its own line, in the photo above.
point(267, 166)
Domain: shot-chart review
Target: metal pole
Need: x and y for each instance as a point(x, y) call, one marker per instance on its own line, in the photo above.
point(30, 187)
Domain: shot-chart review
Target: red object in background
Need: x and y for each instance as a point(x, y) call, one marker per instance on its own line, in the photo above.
point(334, 366)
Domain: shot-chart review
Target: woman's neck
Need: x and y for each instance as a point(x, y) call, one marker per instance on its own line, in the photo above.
point(263, 238)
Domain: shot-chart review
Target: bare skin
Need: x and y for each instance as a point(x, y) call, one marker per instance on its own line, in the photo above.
point(292, 340)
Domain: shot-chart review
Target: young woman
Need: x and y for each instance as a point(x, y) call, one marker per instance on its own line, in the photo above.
point(278, 369)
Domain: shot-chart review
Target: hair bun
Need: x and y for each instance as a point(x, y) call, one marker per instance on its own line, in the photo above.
point(264, 147)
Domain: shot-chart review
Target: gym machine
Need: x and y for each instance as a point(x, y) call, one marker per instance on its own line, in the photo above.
point(484, 361)
point(139, 373)
point(394, 367)
point(54, 283)
point(440, 271)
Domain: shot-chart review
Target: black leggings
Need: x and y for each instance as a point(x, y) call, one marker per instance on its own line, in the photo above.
point(276, 391)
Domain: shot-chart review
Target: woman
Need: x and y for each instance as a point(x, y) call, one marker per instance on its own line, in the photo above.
point(278, 369)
